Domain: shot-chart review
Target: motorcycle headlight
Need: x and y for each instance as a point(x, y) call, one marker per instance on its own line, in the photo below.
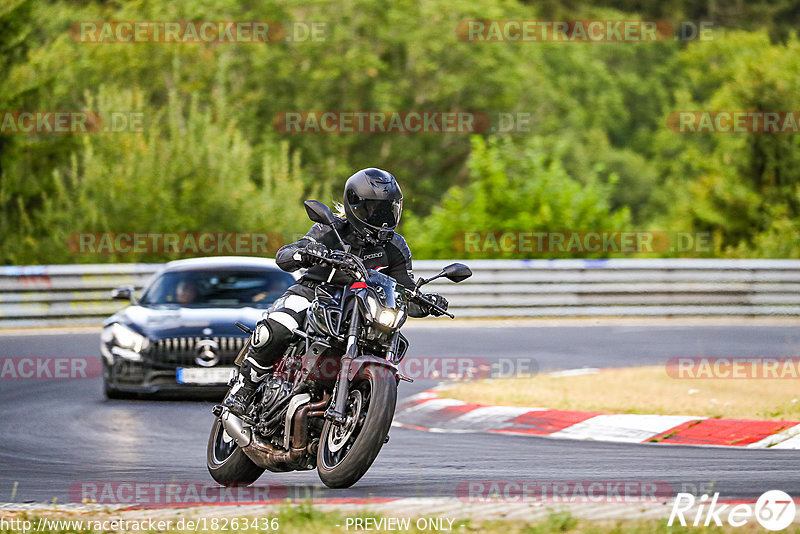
point(384, 316)
point(373, 306)
point(387, 317)
point(126, 338)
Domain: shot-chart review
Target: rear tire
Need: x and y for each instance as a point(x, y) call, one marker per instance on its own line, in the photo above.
point(226, 462)
point(369, 435)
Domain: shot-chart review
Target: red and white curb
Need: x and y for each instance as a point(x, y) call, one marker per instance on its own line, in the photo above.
point(430, 411)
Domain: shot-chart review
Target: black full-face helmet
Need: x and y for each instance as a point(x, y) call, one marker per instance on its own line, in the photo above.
point(373, 203)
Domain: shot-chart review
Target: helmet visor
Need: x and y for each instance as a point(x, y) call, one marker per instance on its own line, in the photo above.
point(377, 213)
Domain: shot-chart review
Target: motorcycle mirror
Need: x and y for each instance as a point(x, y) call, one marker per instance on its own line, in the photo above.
point(457, 272)
point(319, 212)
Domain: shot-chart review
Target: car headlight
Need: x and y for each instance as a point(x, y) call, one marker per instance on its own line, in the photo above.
point(126, 338)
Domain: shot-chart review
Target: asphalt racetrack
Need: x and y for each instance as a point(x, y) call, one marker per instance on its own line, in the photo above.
point(59, 433)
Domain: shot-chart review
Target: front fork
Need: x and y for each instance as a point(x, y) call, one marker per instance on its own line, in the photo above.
point(336, 411)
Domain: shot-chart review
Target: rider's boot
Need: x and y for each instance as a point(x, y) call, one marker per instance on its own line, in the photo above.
point(240, 395)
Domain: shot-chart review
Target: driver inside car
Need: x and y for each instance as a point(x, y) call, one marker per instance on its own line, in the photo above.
point(186, 292)
point(372, 206)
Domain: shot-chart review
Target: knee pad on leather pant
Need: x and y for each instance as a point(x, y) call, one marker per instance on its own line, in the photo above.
point(251, 372)
point(268, 342)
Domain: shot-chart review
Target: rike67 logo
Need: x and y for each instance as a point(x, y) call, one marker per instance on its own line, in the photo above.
point(774, 510)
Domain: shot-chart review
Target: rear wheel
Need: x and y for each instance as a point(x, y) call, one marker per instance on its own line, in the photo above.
point(226, 461)
point(347, 451)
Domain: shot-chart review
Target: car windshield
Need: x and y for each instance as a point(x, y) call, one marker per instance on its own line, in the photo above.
point(218, 288)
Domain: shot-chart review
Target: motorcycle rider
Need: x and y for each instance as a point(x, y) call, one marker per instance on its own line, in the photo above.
point(372, 206)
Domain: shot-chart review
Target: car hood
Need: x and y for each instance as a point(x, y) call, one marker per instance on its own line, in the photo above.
point(158, 323)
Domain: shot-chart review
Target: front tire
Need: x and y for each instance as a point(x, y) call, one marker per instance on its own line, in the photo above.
point(226, 461)
point(346, 452)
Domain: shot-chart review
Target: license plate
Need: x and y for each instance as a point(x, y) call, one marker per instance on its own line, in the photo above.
point(201, 375)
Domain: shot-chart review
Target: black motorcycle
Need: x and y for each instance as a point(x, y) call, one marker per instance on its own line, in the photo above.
point(330, 400)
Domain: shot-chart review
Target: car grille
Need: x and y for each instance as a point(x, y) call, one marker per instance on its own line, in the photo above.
point(182, 351)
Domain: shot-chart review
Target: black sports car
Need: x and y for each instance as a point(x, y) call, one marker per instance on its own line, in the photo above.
point(180, 335)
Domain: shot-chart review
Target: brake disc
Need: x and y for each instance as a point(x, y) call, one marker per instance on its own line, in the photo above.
point(340, 434)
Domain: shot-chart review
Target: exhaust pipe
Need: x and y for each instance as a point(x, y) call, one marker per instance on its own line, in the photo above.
point(266, 455)
point(236, 428)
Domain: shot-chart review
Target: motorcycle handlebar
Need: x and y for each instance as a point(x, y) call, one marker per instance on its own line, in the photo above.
point(357, 266)
point(417, 295)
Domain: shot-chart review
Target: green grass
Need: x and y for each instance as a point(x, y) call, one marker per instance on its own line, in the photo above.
point(642, 390)
point(304, 518)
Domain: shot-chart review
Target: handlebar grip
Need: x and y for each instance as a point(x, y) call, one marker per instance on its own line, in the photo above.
point(342, 264)
point(445, 312)
point(434, 306)
point(334, 261)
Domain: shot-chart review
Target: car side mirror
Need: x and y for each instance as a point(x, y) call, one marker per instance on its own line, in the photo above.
point(123, 293)
point(457, 272)
point(319, 212)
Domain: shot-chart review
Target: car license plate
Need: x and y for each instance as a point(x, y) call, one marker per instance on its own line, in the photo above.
point(202, 375)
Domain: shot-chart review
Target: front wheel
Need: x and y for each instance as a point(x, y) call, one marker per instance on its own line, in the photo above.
point(346, 451)
point(226, 461)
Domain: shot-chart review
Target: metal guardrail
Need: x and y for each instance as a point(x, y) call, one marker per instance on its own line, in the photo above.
point(43, 295)
point(626, 287)
point(79, 294)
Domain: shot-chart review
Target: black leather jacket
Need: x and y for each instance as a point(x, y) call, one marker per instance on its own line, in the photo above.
point(392, 258)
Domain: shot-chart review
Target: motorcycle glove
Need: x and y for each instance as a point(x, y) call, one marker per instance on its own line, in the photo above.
point(312, 254)
point(439, 301)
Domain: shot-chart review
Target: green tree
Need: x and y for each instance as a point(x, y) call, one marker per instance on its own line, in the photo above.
point(738, 186)
point(513, 189)
point(193, 174)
